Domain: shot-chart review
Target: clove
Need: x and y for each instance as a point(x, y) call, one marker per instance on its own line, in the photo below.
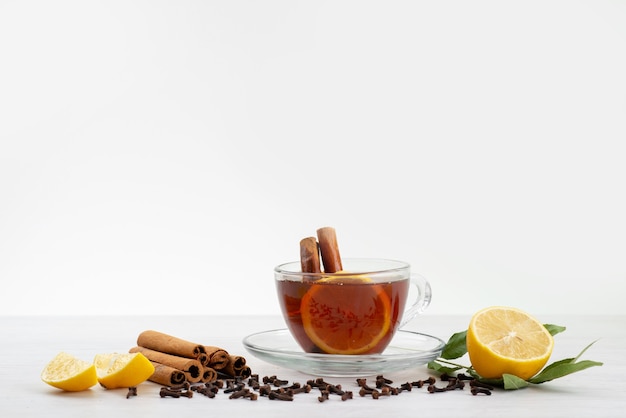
point(324, 396)
point(243, 393)
point(420, 383)
point(234, 388)
point(265, 390)
point(175, 393)
point(208, 390)
point(253, 382)
point(363, 384)
point(132, 391)
point(479, 390)
point(406, 386)
point(479, 384)
point(336, 389)
point(374, 393)
point(434, 389)
point(383, 379)
point(303, 389)
point(238, 394)
point(273, 380)
point(279, 396)
point(387, 391)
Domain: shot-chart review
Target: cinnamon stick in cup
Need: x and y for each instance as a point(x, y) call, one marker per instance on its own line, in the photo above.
point(191, 367)
point(166, 375)
point(329, 249)
point(309, 255)
point(165, 343)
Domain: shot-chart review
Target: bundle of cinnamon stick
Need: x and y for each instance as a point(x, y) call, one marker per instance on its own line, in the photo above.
point(177, 361)
point(327, 248)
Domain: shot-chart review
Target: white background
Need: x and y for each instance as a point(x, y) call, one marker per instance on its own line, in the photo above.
point(161, 157)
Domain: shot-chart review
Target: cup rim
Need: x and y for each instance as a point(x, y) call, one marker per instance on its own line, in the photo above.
point(399, 266)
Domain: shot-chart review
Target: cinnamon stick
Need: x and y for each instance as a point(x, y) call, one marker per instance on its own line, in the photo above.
point(166, 375)
point(203, 358)
point(208, 375)
point(245, 372)
point(191, 367)
point(329, 249)
point(218, 358)
point(235, 366)
point(309, 255)
point(169, 344)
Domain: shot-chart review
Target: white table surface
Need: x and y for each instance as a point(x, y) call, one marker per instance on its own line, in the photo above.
point(28, 343)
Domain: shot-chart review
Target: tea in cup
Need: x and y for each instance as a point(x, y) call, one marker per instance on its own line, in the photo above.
point(353, 311)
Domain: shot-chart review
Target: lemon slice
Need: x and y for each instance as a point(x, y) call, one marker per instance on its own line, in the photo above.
point(125, 370)
point(69, 373)
point(507, 340)
point(343, 275)
point(336, 326)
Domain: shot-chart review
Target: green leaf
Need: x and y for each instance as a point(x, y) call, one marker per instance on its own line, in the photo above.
point(455, 347)
point(554, 329)
point(493, 382)
point(512, 382)
point(440, 368)
point(564, 367)
point(585, 349)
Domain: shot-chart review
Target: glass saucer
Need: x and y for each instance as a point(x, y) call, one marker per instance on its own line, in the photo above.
point(407, 349)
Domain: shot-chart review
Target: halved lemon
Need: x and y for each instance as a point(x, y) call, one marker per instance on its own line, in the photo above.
point(123, 370)
point(507, 340)
point(69, 373)
point(346, 316)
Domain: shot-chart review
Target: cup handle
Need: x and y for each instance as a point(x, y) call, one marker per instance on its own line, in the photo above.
point(422, 300)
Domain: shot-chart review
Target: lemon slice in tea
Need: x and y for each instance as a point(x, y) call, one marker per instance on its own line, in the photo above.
point(338, 327)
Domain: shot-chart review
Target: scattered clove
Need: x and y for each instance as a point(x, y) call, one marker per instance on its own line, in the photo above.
point(279, 389)
point(265, 390)
point(363, 384)
point(434, 389)
point(243, 393)
point(132, 391)
point(420, 383)
point(175, 393)
point(406, 386)
point(303, 389)
point(324, 396)
point(478, 390)
point(273, 380)
point(386, 391)
point(479, 384)
point(383, 379)
point(336, 389)
point(209, 390)
point(280, 396)
point(234, 388)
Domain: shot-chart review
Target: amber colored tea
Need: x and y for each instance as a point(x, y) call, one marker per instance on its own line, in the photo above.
point(350, 315)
